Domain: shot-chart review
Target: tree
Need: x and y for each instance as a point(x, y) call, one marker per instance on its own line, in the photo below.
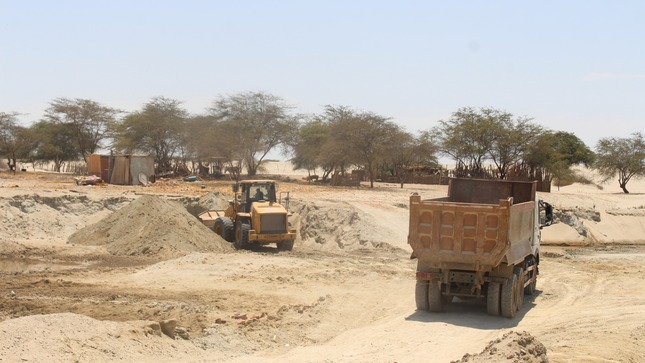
point(15, 141)
point(158, 129)
point(406, 152)
point(624, 157)
point(468, 138)
point(89, 119)
point(511, 140)
point(258, 122)
point(368, 136)
point(310, 138)
point(335, 154)
point(572, 150)
point(55, 143)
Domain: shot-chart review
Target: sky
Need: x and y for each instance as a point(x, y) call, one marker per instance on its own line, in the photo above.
point(574, 66)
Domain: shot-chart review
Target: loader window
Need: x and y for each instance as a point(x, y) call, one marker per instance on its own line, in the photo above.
point(259, 192)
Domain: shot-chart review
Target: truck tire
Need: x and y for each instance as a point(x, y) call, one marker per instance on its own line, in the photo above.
point(421, 295)
point(492, 298)
point(435, 300)
point(225, 228)
point(530, 288)
point(521, 277)
point(242, 236)
point(508, 301)
point(285, 245)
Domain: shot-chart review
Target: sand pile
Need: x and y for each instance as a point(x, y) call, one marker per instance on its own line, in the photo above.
point(151, 226)
point(213, 200)
point(77, 338)
point(512, 347)
point(51, 218)
point(333, 225)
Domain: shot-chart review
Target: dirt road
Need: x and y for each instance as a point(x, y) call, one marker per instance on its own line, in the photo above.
point(345, 294)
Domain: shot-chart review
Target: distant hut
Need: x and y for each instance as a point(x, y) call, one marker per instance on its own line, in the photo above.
point(122, 169)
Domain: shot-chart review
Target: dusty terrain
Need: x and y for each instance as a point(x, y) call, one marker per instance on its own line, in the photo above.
point(109, 273)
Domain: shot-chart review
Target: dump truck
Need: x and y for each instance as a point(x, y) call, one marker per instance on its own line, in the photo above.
point(481, 241)
point(256, 215)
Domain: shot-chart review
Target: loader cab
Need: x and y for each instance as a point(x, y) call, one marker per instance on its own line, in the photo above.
point(255, 191)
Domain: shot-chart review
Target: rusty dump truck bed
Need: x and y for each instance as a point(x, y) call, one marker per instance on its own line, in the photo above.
point(481, 224)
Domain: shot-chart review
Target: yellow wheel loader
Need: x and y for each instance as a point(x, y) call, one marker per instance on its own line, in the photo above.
point(254, 216)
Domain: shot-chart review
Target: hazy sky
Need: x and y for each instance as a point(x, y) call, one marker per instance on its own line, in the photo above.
point(576, 66)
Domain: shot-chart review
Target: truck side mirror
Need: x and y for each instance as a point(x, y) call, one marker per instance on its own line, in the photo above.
point(236, 187)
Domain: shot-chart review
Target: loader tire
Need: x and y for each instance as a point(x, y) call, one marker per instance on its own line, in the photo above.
point(435, 300)
point(492, 298)
point(421, 295)
point(242, 236)
point(225, 228)
point(285, 245)
point(508, 301)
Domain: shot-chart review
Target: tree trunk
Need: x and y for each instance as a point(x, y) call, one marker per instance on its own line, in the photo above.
point(623, 186)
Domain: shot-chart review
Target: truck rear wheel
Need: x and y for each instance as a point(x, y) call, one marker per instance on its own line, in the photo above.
point(508, 301)
point(225, 228)
point(492, 298)
point(421, 294)
point(242, 236)
point(435, 300)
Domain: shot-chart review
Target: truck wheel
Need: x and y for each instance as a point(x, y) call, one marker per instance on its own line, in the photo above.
point(435, 301)
point(521, 277)
point(421, 294)
point(492, 298)
point(285, 245)
point(225, 228)
point(242, 236)
point(508, 303)
point(530, 288)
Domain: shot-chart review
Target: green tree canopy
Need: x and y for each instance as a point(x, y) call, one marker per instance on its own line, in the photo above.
point(158, 129)
point(89, 119)
point(622, 157)
point(16, 142)
point(252, 124)
point(56, 143)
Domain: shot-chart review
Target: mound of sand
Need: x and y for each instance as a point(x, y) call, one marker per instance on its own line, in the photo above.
point(334, 225)
point(76, 338)
point(512, 347)
point(30, 217)
point(151, 226)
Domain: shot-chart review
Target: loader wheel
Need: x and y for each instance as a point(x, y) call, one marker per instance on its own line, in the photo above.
point(242, 236)
point(225, 228)
point(285, 245)
point(492, 298)
point(421, 294)
point(508, 302)
point(435, 300)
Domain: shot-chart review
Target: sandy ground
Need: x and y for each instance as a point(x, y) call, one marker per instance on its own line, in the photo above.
point(110, 273)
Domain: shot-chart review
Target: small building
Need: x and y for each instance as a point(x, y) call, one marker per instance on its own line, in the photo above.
point(122, 169)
